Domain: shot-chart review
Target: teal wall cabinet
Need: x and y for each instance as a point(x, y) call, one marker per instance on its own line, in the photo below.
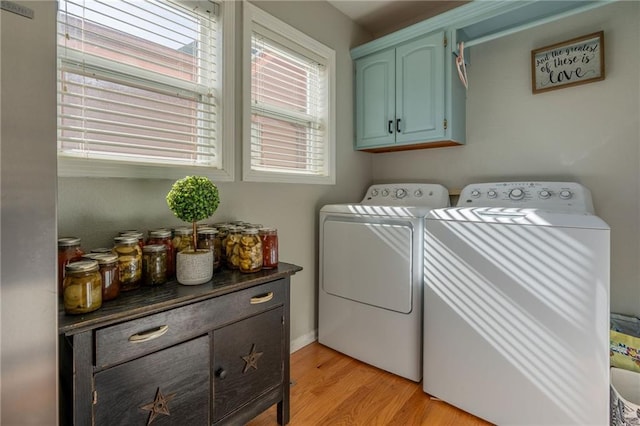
point(402, 95)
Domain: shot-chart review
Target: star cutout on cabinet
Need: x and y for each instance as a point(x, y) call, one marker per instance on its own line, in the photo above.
point(251, 360)
point(160, 405)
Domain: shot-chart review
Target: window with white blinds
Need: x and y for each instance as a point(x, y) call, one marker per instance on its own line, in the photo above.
point(139, 82)
point(288, 115)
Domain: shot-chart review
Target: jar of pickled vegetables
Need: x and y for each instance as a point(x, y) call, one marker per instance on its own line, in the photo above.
point(68, 251)
point(250, 251)
point(269, 239)
point(231, 247)
point(163, 236)
point(154, 264)
point(129, 262)
point(208, 239)
point(183, 239)
point(82, 287)
point(108, 268)
point(223, 231)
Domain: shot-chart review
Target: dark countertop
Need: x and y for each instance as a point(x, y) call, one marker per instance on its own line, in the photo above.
point(150, 300)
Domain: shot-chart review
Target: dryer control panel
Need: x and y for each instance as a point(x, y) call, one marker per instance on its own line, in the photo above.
point(552, 196)
point(407, 194)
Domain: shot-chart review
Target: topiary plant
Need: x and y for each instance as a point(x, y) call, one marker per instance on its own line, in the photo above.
point(193, 198)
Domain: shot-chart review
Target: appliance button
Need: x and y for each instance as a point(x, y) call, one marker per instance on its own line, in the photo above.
point(544, 194)
point(385, 192)
point(418, 193)
point(374, 192)
point(516, 194)
point(565, 194)
point(401, 193)
point(492, 194)
point(475, 193)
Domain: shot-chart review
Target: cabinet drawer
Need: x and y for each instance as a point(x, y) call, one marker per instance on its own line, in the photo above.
point(132, 339)
point(167, 387)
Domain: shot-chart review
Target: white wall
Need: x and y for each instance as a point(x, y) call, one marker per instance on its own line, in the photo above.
point(588, 133)
point(96, 209)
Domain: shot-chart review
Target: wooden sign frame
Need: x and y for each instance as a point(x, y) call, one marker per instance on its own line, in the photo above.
point(569, 63)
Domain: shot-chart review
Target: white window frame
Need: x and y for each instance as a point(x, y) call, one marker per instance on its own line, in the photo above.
point(251, 15)
point(82, 167)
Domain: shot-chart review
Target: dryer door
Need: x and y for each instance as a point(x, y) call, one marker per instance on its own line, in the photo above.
point(369, 262)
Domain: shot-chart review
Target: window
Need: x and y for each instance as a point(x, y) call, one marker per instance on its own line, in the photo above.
point(140, 89)
point(289, 107)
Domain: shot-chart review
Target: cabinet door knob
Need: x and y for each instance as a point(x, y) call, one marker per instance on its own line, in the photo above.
point(390, 124)
point(398, 125)
point(221, 373)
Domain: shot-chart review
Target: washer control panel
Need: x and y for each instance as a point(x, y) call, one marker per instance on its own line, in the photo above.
point(553, 196)
point(407, 194)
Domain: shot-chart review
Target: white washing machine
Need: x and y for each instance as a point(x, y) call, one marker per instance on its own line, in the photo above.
point(371, 275)
point(516, 302)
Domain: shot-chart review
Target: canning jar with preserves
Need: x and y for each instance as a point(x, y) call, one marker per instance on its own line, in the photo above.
point(129, 262)
point(208, 239)
point(163, 236)
point(68, 251)
point(82, 287)
point(183, 239)
point(108, 268)
point(269, 238)
point(231, 247)
point(154, 264)
point(250, 251)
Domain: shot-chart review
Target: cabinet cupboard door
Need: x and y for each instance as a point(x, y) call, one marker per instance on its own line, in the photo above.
point(169, 387)
point(375, 99)
point(420, 89)
point(247, 361)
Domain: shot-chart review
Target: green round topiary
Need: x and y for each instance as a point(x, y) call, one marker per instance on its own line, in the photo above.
point(193, 198)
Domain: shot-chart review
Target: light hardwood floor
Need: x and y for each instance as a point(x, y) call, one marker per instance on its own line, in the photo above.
point(329, 388)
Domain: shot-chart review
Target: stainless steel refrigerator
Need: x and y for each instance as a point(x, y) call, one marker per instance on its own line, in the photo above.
point(28, 181)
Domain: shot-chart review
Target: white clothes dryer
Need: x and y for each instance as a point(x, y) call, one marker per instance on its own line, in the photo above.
point(371, 275)
point(516, 305)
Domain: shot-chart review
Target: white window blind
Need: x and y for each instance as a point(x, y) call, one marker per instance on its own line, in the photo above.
point(139, 81)
point(290, 127)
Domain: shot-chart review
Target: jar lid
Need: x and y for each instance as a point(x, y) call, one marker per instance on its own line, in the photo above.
point(250, 231)
point(207, 231)
point(136, 234)
point(68, 241)
point(102, 258)
point(267, 230)
point(101, 250)
point(183, 231)
point(82, 266)
point(153, 248)
point(125, 239)
point(160, 233)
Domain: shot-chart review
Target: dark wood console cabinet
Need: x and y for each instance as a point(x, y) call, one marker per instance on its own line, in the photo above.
point(212, 354)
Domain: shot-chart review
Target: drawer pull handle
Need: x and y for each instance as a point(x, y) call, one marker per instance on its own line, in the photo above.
point(145, 336)
point(262, 298)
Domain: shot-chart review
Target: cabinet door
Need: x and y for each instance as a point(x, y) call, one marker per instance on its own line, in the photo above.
point(169, 387)
point(420, 89)
point(375, 99)
point(247, 361)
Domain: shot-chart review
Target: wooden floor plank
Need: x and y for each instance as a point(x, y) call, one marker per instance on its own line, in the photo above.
point(332, 389)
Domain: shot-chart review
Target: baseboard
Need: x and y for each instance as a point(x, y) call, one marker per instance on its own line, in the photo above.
point(304, 340)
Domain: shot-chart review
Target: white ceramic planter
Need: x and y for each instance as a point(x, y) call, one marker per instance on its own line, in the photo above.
point(194, 268)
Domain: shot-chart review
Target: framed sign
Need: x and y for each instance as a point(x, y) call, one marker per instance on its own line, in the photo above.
point(572, 62)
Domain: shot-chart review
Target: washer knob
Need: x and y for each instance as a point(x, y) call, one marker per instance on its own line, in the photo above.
point(565, 194)
point(492, 194)
point(516, 194)
point(544, 194)
point(374, 192)
point(401, 193)
point(418, 193)
point(475, 193)
point(385, 192)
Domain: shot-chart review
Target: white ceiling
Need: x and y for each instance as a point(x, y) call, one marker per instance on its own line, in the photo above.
point(381, 17)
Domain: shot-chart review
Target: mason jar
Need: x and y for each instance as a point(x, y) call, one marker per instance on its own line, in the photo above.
point(183, 239)
point(68, 251)
point(154, 264)
point(133, 233)
point(231, 247)
point(208, 239)
point(82, 287)
point(108, 268)
point(250, 251)
point(129, 262)
point(269, 239)
point(163, 236)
